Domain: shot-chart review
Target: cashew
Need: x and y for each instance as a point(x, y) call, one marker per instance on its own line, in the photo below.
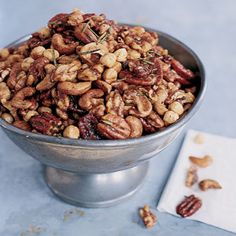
point(91, 99)
point(201, 162)
point(19, 101)
point(104, 86)
point(29, 115)
point(74, 88)
point(66, 72)
point(88, 74)
point(44, 109)
point(63, 48)
point(209, 184)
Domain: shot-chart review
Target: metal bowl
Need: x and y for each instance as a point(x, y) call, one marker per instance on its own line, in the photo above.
point(104, 172)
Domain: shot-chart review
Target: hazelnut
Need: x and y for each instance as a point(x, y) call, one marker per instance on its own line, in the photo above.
point(71, 131)
point(51, 54)
point(37, 52)
point(170, 117)
point(110, 75)
point(176, 107)
point(108, 59)
point(121, 55)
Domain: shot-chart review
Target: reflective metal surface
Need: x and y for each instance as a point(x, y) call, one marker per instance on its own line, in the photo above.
point(85, 162)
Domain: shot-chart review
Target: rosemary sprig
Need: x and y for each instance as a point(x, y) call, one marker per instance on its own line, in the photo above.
point(104, 36)
point(85, 26)
point(54, 57)
point(146, 61)
point(107, 122)
point(89, 52)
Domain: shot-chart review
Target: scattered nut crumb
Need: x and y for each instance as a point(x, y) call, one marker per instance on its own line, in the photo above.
point(199, 139)
point(191, 177)
point(201, 161)
point(33, 230)
point(73, 212)
point(209, 184)
point(149, 219)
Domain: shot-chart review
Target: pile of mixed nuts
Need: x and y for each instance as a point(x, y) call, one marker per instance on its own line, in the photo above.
point(84, 76)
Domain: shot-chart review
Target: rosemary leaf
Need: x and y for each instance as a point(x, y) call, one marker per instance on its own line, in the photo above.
point(54, 57)
point(85, 27)
point(89, 52)
point(107, 122)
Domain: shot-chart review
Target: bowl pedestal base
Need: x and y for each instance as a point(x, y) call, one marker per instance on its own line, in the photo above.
point(95, 190)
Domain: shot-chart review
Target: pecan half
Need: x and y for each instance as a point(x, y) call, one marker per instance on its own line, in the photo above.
point(88, 127)
point(181, 70)
point(113, 127)
point(115, 104)
point(189, 206)
point(46, 123)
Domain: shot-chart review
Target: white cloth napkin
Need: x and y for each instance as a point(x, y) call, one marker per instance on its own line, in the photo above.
point(219, 206)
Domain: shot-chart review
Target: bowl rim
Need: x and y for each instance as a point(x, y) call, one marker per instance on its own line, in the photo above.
point(124, 142)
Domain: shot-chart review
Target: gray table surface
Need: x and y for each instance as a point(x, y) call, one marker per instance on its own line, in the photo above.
point(208, 27)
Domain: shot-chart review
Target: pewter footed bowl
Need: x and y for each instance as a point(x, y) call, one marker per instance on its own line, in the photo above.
point(101, 173)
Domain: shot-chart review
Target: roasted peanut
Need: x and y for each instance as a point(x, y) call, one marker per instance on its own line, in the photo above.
point(201, 162)
point(209, 184)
